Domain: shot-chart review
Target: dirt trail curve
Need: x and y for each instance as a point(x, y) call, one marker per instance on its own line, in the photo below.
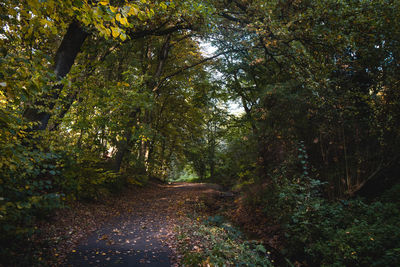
point(142, 236)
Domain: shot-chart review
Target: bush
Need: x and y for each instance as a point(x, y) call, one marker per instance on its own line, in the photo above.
point(319, 232)
point(350, 233)
point(88, 177)
point(27, 193)
point(219, 244)
point(337, 233)
point(35, 182)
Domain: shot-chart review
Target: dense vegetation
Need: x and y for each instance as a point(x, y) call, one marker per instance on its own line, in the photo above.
point(97, 95)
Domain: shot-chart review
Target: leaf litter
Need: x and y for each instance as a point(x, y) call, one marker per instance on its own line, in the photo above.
point(148, 215)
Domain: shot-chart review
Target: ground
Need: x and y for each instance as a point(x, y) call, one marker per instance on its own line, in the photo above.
point(133, 229)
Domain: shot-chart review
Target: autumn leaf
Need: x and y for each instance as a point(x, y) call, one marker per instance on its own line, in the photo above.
point(118, 17)
point(122, 36)
point(113, 9)
point(163, 5)
point(133, 11)
point(124, 21)
point(115, 32)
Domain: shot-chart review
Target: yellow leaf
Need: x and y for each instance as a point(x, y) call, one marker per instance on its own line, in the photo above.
point(163, 5)
point(133, 11)
point(124, 21)
point(118, 17)
point(115, 32)
point(103, 3)
point(113, 9)
point(122, 36)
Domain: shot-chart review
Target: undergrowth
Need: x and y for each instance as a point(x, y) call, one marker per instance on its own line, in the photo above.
point(214, 242)
point(322, 232)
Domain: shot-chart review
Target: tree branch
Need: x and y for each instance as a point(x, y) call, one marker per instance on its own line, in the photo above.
point(163, 80)
point(232, 18)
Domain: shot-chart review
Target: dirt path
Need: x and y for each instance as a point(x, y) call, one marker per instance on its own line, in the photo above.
point(143, 234)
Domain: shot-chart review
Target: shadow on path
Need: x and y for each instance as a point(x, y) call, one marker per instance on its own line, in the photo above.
point(137, 238)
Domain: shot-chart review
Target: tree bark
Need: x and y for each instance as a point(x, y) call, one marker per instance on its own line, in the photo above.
point(124, 145)
point(40, 112)
point(122, 151)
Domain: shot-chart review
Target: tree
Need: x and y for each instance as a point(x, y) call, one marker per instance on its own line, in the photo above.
point(123, 21)
point(298, 55)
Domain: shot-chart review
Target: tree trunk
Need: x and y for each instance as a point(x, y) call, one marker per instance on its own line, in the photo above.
point(124, 145)
point(122, 151)
point(64, 59)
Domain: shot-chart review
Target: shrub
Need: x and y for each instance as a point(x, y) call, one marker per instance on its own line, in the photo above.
point(331, 233)
point(350, 233)
point(27, 192)
point(219, 244)
point(87, 179)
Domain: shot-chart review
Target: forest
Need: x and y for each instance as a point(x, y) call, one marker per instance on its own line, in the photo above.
point(288, 107)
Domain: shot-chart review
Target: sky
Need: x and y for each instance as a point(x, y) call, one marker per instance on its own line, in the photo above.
point(208, 50)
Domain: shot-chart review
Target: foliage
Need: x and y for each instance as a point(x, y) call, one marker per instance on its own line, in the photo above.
point(330, 233)
point(28, 193)
point(317, 70)
point(87, 179)
point(184, 175)
point(321, 72)
point(221, 245)
point(318, 82)
point(347, 233)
